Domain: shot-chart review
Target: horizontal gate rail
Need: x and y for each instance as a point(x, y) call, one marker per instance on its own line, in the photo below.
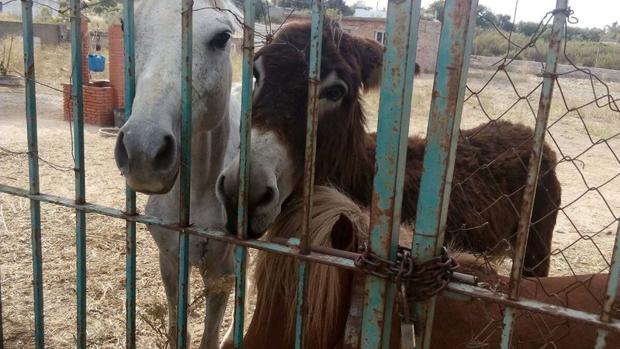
point(392, 137)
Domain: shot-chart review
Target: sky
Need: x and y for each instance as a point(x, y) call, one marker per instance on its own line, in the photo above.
point(591, 13)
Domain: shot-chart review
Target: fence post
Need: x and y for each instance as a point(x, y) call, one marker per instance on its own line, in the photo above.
point(611, 292)
point(314, 78)
point(392, 138)
point(529, 193)
point(33, 166)
point(244, 170)
point(78, 154)
point(130, 195)
point(185, 169)
point(441, 142)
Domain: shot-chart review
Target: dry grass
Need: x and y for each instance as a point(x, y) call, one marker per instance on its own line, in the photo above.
point(105, 236)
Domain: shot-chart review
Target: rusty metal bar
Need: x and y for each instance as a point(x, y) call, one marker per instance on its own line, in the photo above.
point(185, 169)
point(441, 141)
point(33, 172)
point(244, 170)
point(314, 78)
point(529, 193)
point(392, 138)
point(130, 195)
point(611, 292)
point(80, 180)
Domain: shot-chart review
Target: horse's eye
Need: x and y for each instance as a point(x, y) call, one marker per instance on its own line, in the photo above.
point(333, 93)
point(220, 40)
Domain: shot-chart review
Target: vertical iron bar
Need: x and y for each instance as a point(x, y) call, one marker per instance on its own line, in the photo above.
point(392, 138)
point(612, 291)
point(441, 142)
point(185, 171)
point(244, 170)
point(529, 193)
point(78, 153)
point(130, 195)
point(33, 166)
point(1, 326)
point(314, 78)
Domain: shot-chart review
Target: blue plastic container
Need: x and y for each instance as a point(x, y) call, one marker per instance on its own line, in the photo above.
point(96, 63)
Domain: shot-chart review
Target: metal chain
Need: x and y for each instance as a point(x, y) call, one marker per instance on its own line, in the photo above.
point(421, 280)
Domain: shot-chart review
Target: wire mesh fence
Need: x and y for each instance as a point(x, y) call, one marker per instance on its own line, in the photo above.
point(583, 132)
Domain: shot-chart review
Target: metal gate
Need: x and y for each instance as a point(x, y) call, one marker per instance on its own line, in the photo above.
point(395, 104)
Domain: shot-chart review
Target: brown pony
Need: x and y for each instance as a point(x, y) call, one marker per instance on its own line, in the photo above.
point(491, 160)
point(459, 323)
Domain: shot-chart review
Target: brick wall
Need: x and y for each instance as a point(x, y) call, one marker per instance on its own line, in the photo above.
point(428, 36)
point(85, 51)
point(98, 104)
point(116, 64)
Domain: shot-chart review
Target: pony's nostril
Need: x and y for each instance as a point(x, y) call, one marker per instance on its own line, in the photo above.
point(120, 152)
point(165, 155)
point(267, 197)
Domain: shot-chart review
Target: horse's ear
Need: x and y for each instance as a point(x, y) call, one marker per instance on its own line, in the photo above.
point(343, 234)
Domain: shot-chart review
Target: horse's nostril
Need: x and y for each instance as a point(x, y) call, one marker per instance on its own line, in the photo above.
point(266, 198)
point(120, 152)
point(165, 155)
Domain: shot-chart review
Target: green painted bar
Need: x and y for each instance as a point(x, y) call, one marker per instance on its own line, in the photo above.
point(314, 78)
point(130, 195)
point(80, 181)
point(33, 171)
point(300, 312)
point(529, 193)
point(244, 170)
point(185, 171)
point(1, 323)
point(393, 127)
point(611, 292)
point(442, 138)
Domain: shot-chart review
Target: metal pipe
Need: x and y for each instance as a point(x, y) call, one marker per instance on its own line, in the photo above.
point(441, 142)
point(185, 169)
point(529, 192)
point(314, 78)
point(80, 180)
point(244, 170)
point(611, 291)
point(130, 195)
point(33, 172)
point(392, 134)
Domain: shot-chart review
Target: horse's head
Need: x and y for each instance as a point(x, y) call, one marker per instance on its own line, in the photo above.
point(147, 149)
point(280, 100)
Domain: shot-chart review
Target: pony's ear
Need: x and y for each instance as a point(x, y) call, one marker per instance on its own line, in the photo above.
point(368, 54)
point(343, 234)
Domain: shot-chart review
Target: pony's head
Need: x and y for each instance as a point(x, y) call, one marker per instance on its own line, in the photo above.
point(337, 222)
point(349, 64)
point(147, 147)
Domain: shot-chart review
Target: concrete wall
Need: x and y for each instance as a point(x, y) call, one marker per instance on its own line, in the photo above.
point(48, 34)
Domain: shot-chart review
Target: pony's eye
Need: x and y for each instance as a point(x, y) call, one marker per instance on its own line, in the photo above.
point(220, 40)
point(333, 93)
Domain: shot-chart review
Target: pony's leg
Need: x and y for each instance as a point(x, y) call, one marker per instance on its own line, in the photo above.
point(218, 284)
point(537, 260)
point(168, 265)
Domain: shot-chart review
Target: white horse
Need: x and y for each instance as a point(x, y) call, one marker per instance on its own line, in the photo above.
point(148, 152)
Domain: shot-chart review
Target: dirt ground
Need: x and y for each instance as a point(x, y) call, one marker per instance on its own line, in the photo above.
point(583, 239)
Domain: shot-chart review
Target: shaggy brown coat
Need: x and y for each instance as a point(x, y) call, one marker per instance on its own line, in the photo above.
point(491, 160)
